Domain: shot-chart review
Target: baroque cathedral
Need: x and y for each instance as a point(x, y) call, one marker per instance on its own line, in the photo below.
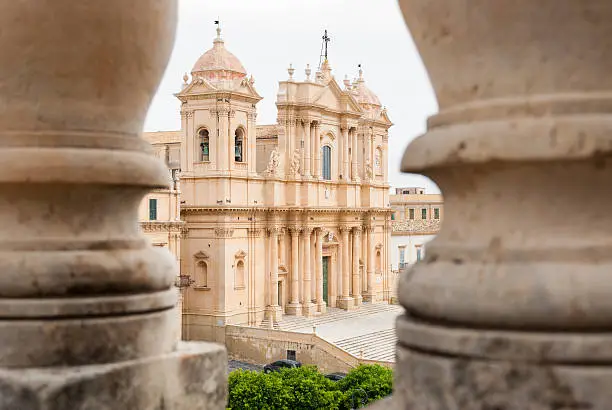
point(272, 220)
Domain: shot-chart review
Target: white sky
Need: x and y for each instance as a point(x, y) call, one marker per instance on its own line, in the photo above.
point(267, 35)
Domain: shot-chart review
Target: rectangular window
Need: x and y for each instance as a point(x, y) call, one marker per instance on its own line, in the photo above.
point(393, 216)
point(424, 213)
point(411, 213)
point(152, 209)
point(402, 256)
point(418, 250)
point(291, 355)
point(436, 213)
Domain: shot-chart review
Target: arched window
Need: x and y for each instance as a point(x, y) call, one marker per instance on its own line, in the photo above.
point(201, 274)
point(326, 163)
point(204, 145)
point(239, 155)
point(240, 274)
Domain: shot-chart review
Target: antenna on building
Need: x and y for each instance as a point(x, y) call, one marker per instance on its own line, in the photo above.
point(326, 40)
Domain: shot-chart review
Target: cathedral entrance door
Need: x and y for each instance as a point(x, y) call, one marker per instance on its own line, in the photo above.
point(325, 278)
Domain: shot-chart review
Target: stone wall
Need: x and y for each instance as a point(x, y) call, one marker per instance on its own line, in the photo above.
point(263, 346)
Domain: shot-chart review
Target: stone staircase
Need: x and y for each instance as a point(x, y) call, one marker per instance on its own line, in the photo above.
point(304, 325)
point(372, 346)
point(376, 345)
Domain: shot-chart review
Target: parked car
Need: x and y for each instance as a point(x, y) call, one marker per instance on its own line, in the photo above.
point(281, 364)
point(335, 377)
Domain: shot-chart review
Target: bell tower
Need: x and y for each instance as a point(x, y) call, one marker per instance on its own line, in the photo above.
point(218, 114)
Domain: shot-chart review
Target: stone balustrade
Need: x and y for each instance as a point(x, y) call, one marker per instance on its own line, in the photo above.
point(87, 307)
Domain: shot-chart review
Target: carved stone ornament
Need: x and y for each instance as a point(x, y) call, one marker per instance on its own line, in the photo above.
point(273, 163)
point(224, 232)
point(295, 162)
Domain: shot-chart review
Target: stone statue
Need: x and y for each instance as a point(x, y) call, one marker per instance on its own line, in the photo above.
point(295, 162)
point(368, 170)
point(273, 163)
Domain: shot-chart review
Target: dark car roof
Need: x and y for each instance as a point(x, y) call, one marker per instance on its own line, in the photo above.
point(294, 362)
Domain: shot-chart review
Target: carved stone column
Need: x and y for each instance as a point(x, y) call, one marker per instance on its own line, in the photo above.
point(355, 271)
point(308, 133)
point(511, 308)
point(321, 305)
point(274, 310)
point(345, 153)
point(87, 307)
point(308, 307)
point(370, 294)
point(317, 151)
point(295, 307)
point(354, 151)
point(345, 301)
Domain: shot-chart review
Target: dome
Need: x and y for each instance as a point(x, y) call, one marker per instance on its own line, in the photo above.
point(364, 95)
point(218, 63)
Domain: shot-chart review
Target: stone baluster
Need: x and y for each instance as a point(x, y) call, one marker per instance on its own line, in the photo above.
point(88, 308)
point(511, 307)
point(274, 310)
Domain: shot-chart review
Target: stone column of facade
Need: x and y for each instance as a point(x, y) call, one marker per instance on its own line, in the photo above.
point(308, 307)
point(282, 250)
point(308, 131)
point(231, 114)
point(88, 308)
point(295, 307)
point(345, 301)
point(345, 153)
point(370, 294)
point(356, 275)
point(274, 310)
point(354, 155)
point(317, 151)
point(223, 138)
point(511, 307)
point(301, 143)
point(321, 305)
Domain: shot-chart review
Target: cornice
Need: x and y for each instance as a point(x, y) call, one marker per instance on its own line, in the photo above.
point(163, 226)
point(192, 210)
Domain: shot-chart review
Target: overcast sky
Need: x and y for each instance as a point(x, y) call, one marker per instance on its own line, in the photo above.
point(267, 35)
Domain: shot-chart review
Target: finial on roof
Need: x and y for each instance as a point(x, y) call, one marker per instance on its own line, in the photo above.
point(185, 78)
point(291, 70)
point(308, 71)
point(360, 73)
point(252, 79)
point(347, 82)
point(218, 39)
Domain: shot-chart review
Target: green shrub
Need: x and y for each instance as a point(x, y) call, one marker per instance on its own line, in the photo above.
point(305, 388)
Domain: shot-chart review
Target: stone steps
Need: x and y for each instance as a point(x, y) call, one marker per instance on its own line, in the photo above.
point(374, 346)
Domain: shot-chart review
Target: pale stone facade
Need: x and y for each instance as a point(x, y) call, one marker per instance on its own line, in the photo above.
point(279, 219)
point(415, 220)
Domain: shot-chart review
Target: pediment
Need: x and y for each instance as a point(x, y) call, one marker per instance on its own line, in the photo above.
point(201, 255)
point(384, 117)
point(333, 97)
point(198, 86)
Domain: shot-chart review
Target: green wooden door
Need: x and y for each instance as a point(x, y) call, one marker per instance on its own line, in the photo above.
point(325, 276)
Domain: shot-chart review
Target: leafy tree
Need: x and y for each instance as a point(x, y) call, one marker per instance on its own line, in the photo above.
point(375, 380)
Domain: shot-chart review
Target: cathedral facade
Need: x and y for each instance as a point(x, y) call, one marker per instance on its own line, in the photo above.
point(273, 220)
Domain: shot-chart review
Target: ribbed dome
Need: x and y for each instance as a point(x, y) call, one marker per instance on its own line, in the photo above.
point(218, 63)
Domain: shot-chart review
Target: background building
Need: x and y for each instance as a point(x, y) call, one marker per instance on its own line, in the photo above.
point(281, 219)
point(415, 220)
